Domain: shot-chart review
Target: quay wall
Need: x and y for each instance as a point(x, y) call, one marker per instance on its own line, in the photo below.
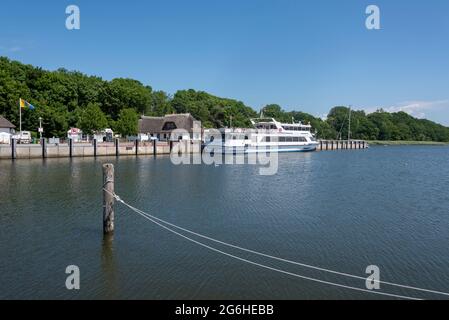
point(68, 150)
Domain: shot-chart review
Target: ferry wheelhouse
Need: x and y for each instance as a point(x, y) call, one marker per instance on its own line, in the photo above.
point(268, 135)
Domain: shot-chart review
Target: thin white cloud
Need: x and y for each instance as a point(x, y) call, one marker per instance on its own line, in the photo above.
point(416, 109)
point(11, 49)
point(15, 49)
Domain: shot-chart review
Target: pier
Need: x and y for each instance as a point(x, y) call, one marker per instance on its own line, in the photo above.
point(70, 149)
point(332, 145)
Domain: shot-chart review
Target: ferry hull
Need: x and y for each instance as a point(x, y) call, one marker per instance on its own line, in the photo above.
point(250, 149)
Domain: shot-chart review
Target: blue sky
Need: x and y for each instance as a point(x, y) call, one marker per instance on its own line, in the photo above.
point(303, 55)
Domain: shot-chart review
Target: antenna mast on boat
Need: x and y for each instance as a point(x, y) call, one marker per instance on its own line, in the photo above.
point(349, 128)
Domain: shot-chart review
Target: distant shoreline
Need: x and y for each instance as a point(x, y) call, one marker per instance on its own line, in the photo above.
point(399, 142)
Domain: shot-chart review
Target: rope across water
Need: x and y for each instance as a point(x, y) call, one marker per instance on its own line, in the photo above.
point(162, 223)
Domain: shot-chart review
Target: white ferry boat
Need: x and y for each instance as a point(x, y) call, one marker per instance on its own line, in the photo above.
point(268, 135)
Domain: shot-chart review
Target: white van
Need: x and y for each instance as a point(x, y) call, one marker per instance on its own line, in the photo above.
point(23, 137)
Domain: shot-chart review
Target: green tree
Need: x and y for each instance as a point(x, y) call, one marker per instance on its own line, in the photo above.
point(92, 119)
point(275, 111)
point(54, 120)
point(338, 119)
point(212, 111)
point(322, 128)
point(127, 123)
point(125, 93)
point(69, 98)
point(161, 104)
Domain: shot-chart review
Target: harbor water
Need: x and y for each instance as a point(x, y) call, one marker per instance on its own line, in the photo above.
point(341, 210)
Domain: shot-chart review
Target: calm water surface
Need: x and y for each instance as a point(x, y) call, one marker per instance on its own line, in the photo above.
point(387, 206)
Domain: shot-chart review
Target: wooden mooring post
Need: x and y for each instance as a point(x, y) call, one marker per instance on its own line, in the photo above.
point(95, 147)
point(108, 198)
point(44, 148)
point(13, 148)
point(116, 144)
point(70, 147)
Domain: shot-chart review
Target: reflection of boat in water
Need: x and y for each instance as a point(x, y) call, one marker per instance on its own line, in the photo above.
point(268, 135)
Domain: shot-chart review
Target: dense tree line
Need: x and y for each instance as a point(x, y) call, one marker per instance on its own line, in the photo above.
point(67, 99)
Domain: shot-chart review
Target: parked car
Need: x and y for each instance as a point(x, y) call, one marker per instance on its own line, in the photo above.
point(146, 137)
point(23, 137)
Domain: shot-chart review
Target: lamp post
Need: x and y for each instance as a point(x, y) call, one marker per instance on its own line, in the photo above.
point(40, 127)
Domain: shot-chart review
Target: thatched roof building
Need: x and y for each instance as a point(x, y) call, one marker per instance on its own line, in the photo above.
point(162, 127)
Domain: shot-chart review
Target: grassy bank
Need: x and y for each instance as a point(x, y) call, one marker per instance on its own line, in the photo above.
point(398, 143)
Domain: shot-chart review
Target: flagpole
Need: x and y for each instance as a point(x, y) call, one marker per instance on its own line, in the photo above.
point(20, 117)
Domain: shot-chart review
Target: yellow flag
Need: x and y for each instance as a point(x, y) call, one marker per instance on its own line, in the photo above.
point(25, 104)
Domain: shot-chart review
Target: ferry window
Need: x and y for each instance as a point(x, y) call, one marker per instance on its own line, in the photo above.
point(281, 139)
point(246, 138)
point(234, 137)
point(295, 139)
point(223, 137)
point(212, 138)
point(289, 139)
point(302, 139)
point(268, 139)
